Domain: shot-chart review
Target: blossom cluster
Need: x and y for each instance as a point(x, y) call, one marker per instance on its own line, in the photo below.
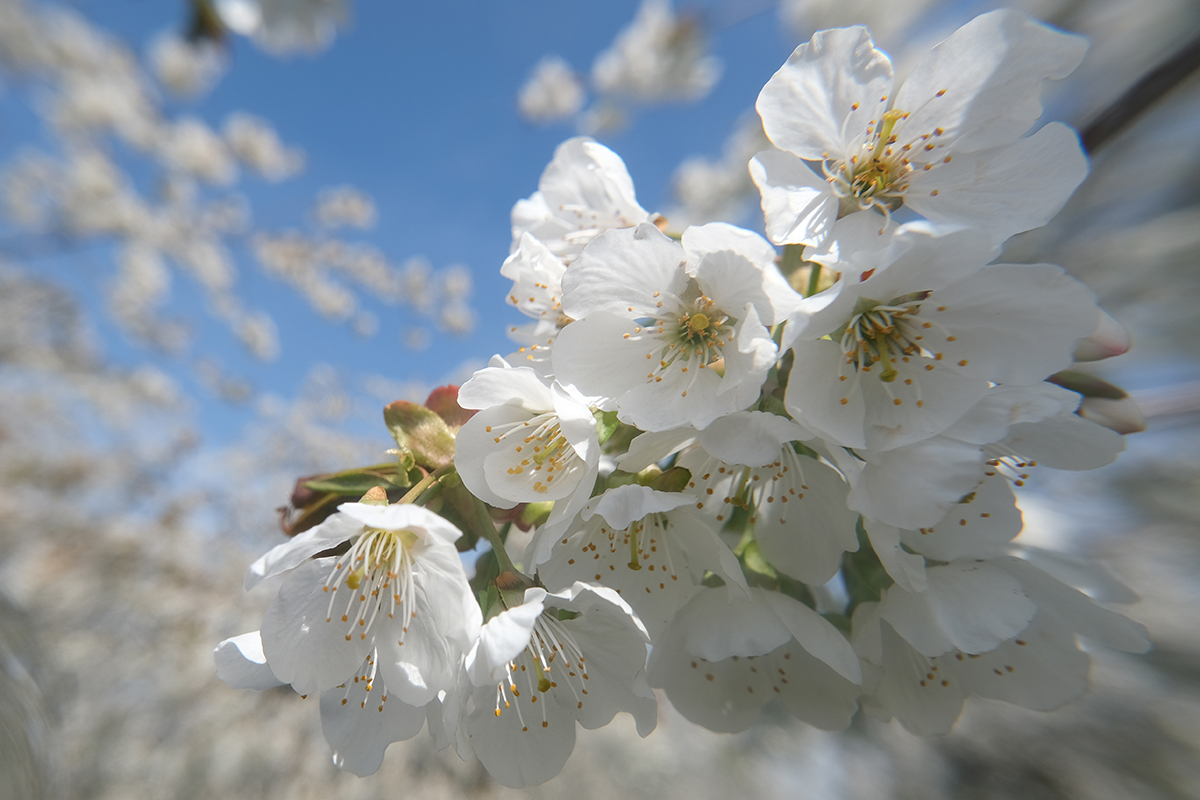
point(750, 476)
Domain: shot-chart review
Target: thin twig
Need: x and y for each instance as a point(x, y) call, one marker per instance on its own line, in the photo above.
point(1150, 89)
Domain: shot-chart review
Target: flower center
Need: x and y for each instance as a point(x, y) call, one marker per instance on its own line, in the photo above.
point(879, 335)
point(878, 176)
point(374, 575)
point(552, 655)
point(538, 448)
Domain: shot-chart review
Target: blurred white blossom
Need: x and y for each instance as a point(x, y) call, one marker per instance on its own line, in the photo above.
point(552, 93)
point(659, 57)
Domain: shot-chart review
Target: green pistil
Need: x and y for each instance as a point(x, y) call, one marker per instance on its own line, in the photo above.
point(634, 530)
point(890, 118)
point(549, 450)
point(889, 372)
point(543, 682)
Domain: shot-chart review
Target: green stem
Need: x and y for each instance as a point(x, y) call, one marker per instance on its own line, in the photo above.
point(814, 279)
point(488, 528)
point(425, 483)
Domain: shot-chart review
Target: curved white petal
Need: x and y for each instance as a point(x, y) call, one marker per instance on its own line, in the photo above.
point(797, 203)
point(970, 606)
point(814, 633)
point(1003, 190)
point(334, 530)
point(242, 665)
point(421, 521)
point(822, 100)
point(738, 266)
point(359, 724)
point(906, 569)
point(991, 71)
point(624, 272)
point(503, 638)
point(752, 438)
point(305, 644)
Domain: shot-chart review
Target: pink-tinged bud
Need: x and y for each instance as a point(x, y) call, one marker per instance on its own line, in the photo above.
point(1108, 339)
point(1122, 416)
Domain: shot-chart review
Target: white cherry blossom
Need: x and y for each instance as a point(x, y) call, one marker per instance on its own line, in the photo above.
point(797, 504)
point(1039, 666)
point(658, 57)
point(1007, 433)
point(913, 335)
point(359, 718)
point(584, 191)
point(726, 655)
point(552, 93)
point(398, 590)
point(946, 143)
point(532, 441)
point(649, 546)
point(541, 666)
point(675, 334)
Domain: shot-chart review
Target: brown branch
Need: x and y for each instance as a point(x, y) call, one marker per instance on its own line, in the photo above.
point(1143, 94)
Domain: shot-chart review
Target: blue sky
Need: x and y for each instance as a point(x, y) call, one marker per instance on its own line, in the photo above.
point(415, 103)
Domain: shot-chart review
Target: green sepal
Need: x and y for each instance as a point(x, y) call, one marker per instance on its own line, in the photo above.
point(753, 560)
point(1087, 385)
point(606, 424)
point(487, 594)
point(673, 480)
point(863, 572)
point(796, 590)
point(353, 484)
point(421, 432)
point(450, 499)
point(512, 587)
point(535, 514)
point(801, 449)
point(773, 404)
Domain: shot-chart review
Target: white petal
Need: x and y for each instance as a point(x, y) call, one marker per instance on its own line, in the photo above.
point(242, 665)
point(906, 569)
point(623, 270)
point(1004, 406)
point(805, 526)
point(623, 505)
point(519, 386)
point(992, 71)
point(305, 644)
point(517, 750)
point(1004, 190)
point(1066, 441)
point(814, 633)
point(1076, 611)
point(359, 725)
point(924, 706)
point(650, 448)
point(823, 98)
point(334, 530)
point(979, 526)
point(969, 606)
point(502, 639)
point(915, 486)
point(752, 438)
point(815, 395)
point(797, 203)
point(1041, 668)
point(719, 624)
point(735, 267)
point(421, 521)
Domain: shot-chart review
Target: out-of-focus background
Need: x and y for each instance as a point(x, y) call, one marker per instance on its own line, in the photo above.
point(231, 232)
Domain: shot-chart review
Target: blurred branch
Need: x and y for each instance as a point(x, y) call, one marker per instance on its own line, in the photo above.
point(1143, 94)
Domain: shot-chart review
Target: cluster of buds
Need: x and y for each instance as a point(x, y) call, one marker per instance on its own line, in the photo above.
point(747, 476)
